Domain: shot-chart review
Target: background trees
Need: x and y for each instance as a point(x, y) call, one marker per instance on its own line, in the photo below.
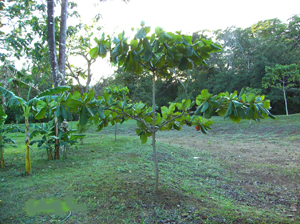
point(241, 63)
point(282, 77)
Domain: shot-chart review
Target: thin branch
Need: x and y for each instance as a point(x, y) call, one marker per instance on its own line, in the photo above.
point(134, 118)
point(166, 122)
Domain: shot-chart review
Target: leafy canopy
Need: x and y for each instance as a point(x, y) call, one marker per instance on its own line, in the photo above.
point(158, 52)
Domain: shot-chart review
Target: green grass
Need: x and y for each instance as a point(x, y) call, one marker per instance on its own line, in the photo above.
point(244, 173)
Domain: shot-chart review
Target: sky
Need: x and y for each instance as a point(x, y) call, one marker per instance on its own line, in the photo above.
point(185, 15)
point(189, 15)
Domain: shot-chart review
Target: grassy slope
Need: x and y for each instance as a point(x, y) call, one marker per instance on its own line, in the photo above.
point(244, 174)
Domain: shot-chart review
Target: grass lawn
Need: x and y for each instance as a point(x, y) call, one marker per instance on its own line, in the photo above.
point(238, 173)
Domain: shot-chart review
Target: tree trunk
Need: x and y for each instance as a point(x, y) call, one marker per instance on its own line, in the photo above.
point(153, 136)
point(62, 42)
point(285, 101)
point(89, 78)
point(51, 41)
point(58, 68)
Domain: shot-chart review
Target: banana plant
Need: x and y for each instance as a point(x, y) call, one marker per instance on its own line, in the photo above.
point(66, 138)
point(51, 106)
point(28, 106)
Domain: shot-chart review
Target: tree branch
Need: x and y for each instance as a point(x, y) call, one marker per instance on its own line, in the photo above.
point(134, 118)
point(168, 121)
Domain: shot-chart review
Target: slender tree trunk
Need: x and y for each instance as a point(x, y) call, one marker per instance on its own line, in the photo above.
point(27, 152)
point(62, 42)
point(285, 101)
point(51, 42)
point(75, 76)
point(153, 136)
point(89, 78)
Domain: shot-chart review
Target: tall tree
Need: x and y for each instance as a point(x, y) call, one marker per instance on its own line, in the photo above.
point(57, 66)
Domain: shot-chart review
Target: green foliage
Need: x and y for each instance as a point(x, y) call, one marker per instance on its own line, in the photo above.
point(281, 76)
point(4, 140)
point(47, 141)
point(14, 115)
point(38, 107)
point(160, 54)
point(160, 51)
point(117, 92)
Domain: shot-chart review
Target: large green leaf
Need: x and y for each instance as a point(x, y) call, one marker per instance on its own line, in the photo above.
point(73, 104)
point(141, 33)
point(64, 112)
point(94, 52)
point(158, 30)
point(13, 99)
point(147, 45)
point(83, 116)
point(134, 43)
point(58, 112)
point(205, 94)
point(54, 91)
point(229, 110)
point(135, 56)
point(40, 105)
point(183, 65)
point(164, 111)
point(101, 114)
point(143, 137)
point(235, 119)
point(186, 104)
point(161, 62)
point(102, 51)
point(147, 56)
point(77, 136)
point(41, 113)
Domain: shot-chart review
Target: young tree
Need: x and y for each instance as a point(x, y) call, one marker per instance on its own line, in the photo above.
point(282, 77)
point(80, 45)
point(160, 54)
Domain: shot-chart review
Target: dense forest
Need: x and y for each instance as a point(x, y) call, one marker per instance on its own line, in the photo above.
point(242, 63)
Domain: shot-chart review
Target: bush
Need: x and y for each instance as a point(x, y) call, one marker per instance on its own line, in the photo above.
point(14, 115)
